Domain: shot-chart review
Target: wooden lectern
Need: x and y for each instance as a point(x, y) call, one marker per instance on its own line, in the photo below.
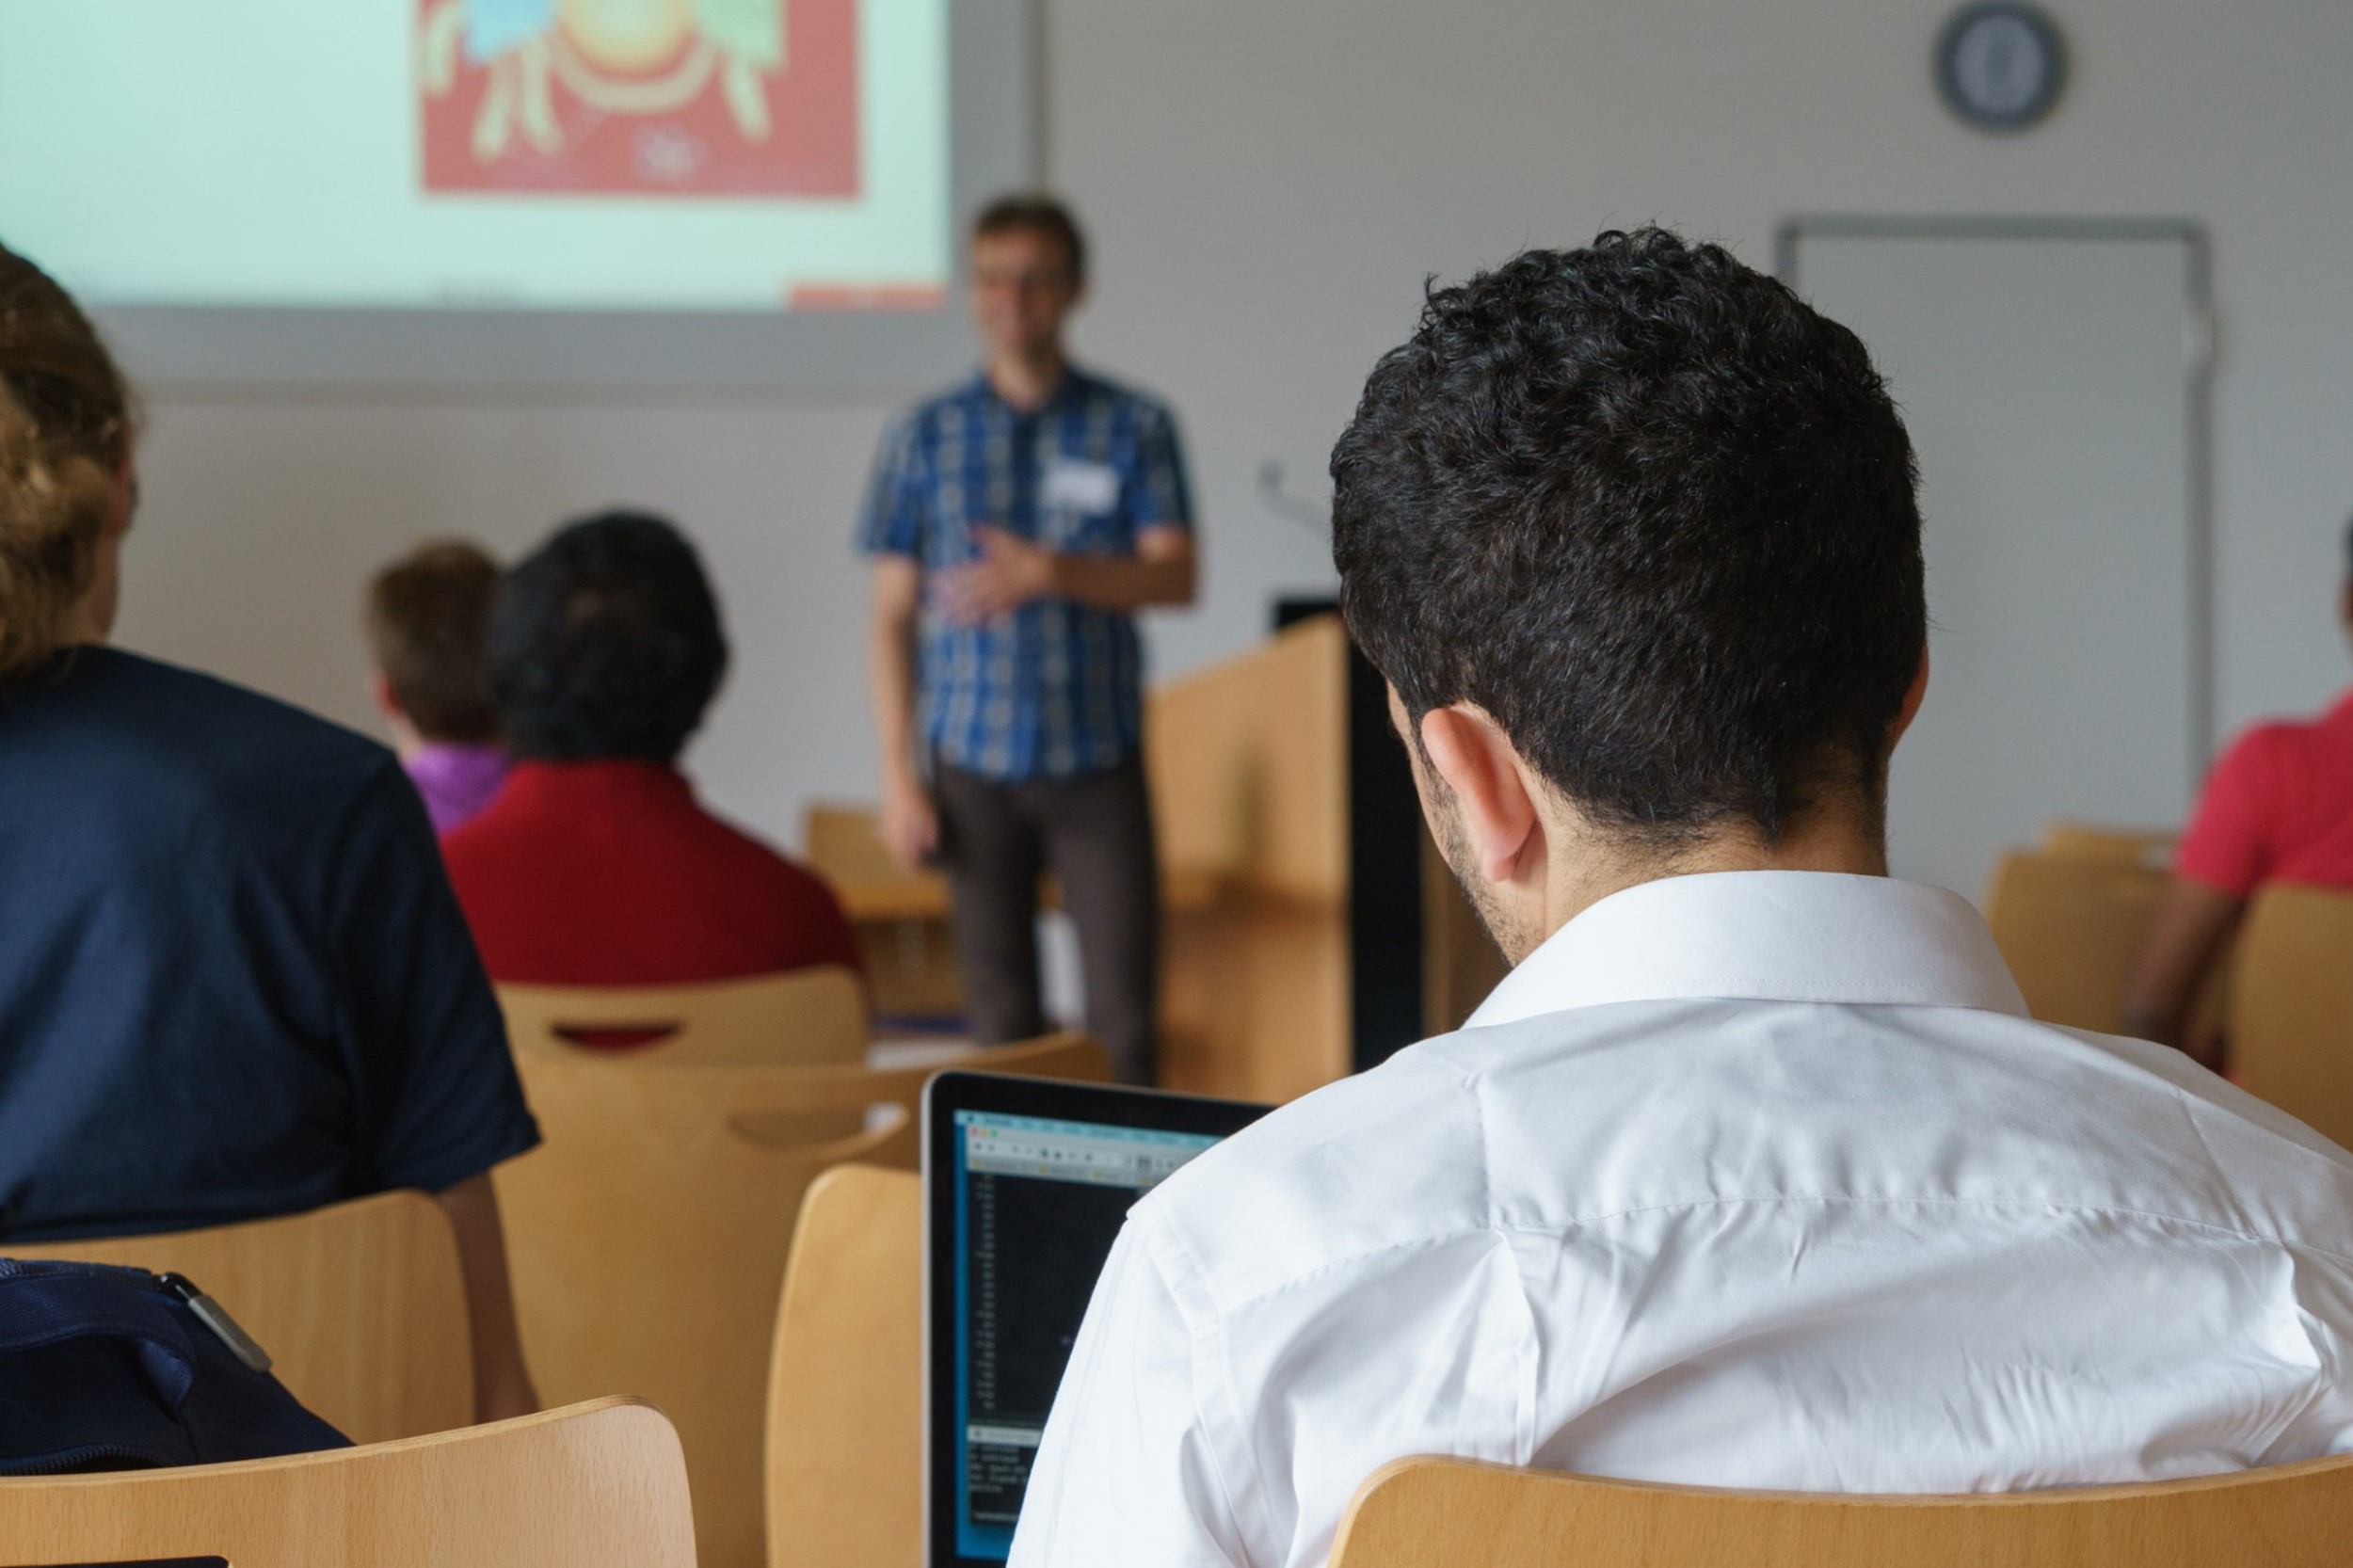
point(1260, 768)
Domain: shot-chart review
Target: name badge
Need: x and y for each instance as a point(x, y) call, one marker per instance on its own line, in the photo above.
point(1080, 486)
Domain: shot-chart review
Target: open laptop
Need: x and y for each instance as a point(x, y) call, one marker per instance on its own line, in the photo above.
point(1026, 1182)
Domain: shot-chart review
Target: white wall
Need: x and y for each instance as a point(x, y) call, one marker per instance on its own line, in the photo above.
point(1267, 185)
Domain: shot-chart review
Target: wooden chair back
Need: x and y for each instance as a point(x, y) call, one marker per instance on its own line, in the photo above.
point(845, 846)
point(1451, 1513)
point(2292, 1006)
point(801, 1019)
point(845, 1384)
point(2124, 846)
point(360, 1305)
point(596, 1486)
point(2070, 927)
point(647, 1235)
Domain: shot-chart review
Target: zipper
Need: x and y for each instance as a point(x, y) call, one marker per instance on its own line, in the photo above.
point(213, 1316)
point(74, 1459)
point(179, 1288)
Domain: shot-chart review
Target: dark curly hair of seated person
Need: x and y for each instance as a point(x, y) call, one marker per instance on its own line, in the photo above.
point(605, 642)
point(1656, 516)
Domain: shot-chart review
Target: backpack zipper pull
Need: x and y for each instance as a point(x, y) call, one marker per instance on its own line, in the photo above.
point(215, 1316)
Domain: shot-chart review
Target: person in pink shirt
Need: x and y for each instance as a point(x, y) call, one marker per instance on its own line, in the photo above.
point(2276, 808)
point(427, 615)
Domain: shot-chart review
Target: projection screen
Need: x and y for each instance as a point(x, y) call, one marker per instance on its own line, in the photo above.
point(699, 192)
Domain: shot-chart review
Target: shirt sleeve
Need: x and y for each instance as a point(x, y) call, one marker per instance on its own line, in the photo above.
point(2227, 843)
point(1124, 1472)
point(1162, 499)
point(436, 1098)
point(892, 521)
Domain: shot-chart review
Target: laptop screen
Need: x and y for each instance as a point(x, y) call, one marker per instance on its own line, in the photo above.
point(1038, 1203)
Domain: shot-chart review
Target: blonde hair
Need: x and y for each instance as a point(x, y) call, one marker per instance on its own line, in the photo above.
point(66, 422)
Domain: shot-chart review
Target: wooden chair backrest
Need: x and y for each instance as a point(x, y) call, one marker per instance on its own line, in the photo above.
point(596, 1486)
point(845, 1385)
point(360, 1305)
point(2126, 846)
point(2070, 928)
point(647, 1235)
point(803, 1018)
point(2292, 1006)
point(845, 845)
point(1451, 1513)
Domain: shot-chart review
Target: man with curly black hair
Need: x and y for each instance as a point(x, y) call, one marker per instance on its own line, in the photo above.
point(596, 865)
point(1753, 1172)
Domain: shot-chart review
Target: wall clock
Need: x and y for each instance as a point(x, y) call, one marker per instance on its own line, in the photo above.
point(2000, 64)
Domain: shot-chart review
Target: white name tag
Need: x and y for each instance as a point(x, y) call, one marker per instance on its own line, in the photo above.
point(1081, 487)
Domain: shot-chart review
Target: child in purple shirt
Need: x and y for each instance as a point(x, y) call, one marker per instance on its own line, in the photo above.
point(426, 616)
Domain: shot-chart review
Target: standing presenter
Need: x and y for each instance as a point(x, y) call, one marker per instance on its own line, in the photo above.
point(1017, 524)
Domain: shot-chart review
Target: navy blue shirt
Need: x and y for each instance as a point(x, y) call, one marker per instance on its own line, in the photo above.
point(233, 980)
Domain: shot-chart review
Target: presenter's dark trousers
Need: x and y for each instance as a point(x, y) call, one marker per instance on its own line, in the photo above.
point(1093, 831)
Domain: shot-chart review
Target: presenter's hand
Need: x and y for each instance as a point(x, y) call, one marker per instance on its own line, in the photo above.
point(1011, 573)
point(910, 823)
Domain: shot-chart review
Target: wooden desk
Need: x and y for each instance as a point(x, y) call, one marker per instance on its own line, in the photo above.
point(900, 918)
point(923, 896)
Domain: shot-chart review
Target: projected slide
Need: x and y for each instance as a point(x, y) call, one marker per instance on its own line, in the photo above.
point(671, 97)
point(597, 155)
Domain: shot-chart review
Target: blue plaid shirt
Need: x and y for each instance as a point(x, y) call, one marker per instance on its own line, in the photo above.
point(1055, 688)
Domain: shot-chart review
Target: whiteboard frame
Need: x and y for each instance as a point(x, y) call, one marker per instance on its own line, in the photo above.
point(993, 127)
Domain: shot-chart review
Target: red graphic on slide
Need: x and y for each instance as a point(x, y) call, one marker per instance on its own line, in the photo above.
point(705, 98)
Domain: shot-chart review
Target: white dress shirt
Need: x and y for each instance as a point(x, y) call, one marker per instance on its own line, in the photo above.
point(1757, 1179)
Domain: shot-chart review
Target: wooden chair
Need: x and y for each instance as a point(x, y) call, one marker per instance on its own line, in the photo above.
point(2070, 927)
point(804, 1018)
point(599, 1485)
point(900, 917)
point(1451, 1513)
point(361, 1306)
point(2292, 1006)
point(845, 846)
point(2124, 846)
point(649, 1234)
point(845, 1386)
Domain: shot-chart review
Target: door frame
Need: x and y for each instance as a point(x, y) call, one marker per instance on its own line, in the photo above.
point(2198, 359)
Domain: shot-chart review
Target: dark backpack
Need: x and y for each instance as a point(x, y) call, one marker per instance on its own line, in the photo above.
point(111, 1368)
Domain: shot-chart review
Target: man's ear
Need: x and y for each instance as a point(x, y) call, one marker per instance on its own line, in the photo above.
point(1469, 749)
point(1914, 695)
point(381, 691)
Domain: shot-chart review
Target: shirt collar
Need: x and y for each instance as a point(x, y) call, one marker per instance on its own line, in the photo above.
point(1767, 937)
point(1073, 384)
point(457, 761)
point(539, 778)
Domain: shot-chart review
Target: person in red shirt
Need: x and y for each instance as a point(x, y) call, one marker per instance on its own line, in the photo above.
point(2277, 807)
point(596, 865)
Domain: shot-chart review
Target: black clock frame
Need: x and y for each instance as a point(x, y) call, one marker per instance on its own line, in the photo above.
point(2046, 35)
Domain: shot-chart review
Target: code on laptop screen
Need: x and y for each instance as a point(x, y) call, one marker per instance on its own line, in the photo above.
point(1038, 1205)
